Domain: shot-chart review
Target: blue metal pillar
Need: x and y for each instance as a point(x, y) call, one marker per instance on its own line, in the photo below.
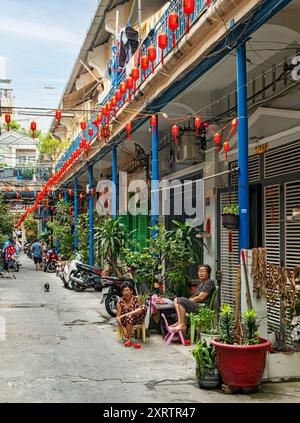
point(114, 183)
point(155, 179)
point(66, 195)
point(244, 234)
point(91, 242)
point(75, 213)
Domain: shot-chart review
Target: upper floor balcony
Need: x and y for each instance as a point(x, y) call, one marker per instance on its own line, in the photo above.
point(172, 38)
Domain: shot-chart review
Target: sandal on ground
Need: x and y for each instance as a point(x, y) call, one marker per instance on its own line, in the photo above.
point(127, 344)
point(137, 346)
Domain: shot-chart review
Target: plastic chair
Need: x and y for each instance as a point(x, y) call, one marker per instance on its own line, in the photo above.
point(138, 328)
point(171, 333)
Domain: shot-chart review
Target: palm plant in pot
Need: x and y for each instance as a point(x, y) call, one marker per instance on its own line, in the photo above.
point(230, 216)
point(241, 353)
point(206, 369)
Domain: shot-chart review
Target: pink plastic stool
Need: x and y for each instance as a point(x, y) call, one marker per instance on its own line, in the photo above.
point(171, 333)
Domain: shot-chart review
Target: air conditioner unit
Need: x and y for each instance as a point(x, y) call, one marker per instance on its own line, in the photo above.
point(188, 149)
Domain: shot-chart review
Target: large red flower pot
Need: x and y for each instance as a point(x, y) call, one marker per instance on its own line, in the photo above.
point(242, 366)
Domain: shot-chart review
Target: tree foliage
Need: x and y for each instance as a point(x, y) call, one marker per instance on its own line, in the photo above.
point(62, 227)
point(6, 221)
point(49, 146)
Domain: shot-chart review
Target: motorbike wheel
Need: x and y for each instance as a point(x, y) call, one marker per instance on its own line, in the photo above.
point(78, 287)
point(111, 304)
point(16, 267)
point(51, 268)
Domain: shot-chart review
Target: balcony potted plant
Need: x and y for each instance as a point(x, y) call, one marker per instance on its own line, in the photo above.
point(241, 353)
point(230, 216)
point(206, 369)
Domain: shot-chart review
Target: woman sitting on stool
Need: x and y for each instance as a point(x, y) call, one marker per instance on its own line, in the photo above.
point(130, 312)
point(202, 295)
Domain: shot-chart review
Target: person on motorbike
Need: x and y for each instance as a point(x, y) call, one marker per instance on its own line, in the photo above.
point(130, 312)
point(9, 253)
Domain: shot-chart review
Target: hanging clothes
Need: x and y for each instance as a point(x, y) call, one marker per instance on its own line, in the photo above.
point(129, 42)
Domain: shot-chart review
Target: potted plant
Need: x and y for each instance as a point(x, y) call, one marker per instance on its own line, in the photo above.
point(230, 216)
point(241, 353)
point(206, 369)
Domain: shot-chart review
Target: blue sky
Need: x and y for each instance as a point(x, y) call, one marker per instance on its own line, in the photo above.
point(40, 40)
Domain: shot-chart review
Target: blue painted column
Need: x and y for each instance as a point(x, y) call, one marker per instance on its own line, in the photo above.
point(243, 147)
point(57, 245)
point(75, 213)
point(66, 195)
point(91, 242)
point(155, 179)
point(114, 183)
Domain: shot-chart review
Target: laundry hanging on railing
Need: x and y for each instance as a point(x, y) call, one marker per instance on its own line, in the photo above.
point(129, 41)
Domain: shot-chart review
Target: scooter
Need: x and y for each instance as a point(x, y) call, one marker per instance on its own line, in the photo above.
point(50, 262)
point(70, 269)
point(86, 277)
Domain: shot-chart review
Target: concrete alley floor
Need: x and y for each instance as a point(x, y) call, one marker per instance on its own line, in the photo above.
point(61, 346)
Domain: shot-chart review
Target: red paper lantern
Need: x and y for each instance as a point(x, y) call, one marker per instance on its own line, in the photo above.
point(162, 44)
point(7, 120)
point(123, 88)
point(33, 128)
point(198, 125)
point(226, 147)
point(7, 189)
point(152, 55)
point(128, 129)
point(59, 196)
point(118, 95)
point(144, 64)
point(80, 196)
point(129, 86)
point(27, 189)
point(83, 125)
point(114, 103)
point(153, 122)
point(58, 117)
point(217, 139)
point(99, 119)
point(91, 132)
point(175, 132)
point(92, 192)
point(108, 108)
point(188, 8)
point(208, 2)
point(105, 133)
point(104, 111)
point(173, 23)
point(135, 76)
point(206, 125)
point(234, 124)
point(18, 195)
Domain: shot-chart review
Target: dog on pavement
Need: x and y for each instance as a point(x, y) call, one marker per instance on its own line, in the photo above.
point(46, 287)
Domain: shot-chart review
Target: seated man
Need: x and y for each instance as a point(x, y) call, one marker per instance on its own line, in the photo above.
point(202, 294)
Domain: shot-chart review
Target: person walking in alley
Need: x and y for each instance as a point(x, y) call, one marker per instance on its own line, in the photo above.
point(202, 295)
point(37, 254)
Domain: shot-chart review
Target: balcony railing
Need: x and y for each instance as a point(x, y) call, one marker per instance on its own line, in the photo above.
point(161, 26)
point(24, 174)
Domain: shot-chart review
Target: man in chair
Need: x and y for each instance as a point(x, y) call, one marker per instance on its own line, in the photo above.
point(202, 295)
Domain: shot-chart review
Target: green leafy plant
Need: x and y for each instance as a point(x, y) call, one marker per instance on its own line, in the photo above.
point(6, 221)
point(250, 327)
point(205, 356)
point(31, 228)
point(62, 227)
point(231, 209)
point(110, 238)
point(227, 323)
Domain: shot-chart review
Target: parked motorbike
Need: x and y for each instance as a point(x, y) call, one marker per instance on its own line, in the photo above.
point(70, 268)
point(50, 262)
point(27, 250)
point(112, 293)
point(86, 277)
point(14, 264)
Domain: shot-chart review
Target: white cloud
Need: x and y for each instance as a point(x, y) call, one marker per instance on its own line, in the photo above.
point(38, 31)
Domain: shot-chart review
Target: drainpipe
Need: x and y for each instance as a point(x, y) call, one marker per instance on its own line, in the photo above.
point(91, 183)
point(243, 148)
point(114, 183)
point(75, 213)
point(155, 179)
